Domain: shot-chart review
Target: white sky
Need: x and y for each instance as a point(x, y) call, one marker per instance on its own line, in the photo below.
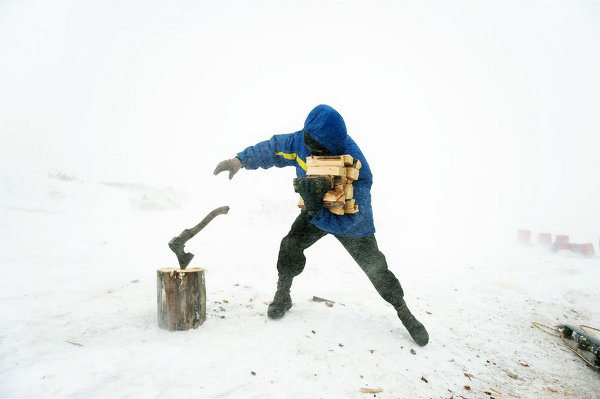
point(468, 109)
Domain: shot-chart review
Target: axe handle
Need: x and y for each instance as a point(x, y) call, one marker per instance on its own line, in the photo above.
point(189, 233)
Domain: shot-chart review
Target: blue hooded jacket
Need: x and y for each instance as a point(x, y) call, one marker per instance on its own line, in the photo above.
point(325, 125)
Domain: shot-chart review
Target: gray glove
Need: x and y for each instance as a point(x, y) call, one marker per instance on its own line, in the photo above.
point(312, 190)
point(230, 165)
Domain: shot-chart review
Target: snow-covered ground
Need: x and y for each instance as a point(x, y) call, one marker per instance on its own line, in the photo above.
point(477, 119)
point(79, 305)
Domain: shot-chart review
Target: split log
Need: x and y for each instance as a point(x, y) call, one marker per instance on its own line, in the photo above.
point(334, 199)
point(352, 174)
point(337, 204)
point(349, 191)
point(331, 196)
point(350, 206)
point(181, 298)
point(326, 171)
point(334, 160)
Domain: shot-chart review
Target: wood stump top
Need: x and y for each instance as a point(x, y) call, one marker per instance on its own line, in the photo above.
point(177, 270)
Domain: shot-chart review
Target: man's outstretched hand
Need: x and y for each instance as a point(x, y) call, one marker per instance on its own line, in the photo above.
point(312, 190)
point(230, 165)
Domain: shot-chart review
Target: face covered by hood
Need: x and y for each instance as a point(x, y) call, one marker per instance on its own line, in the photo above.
point(325, 126)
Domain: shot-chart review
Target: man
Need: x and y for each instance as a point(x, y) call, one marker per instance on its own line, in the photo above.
point(324, 133)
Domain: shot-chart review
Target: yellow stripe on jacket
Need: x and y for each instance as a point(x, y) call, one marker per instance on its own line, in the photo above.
point(292, 157)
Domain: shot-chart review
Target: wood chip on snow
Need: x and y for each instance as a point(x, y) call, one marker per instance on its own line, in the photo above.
point(371, 390)
point(514, 376)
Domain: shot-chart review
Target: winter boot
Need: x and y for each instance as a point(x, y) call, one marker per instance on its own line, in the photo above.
point(416, 330)
point(282, 301)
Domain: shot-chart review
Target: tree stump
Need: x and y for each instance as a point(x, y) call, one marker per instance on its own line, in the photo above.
point(181, 298)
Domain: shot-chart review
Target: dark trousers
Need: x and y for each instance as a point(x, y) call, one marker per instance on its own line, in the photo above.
point(363, 250)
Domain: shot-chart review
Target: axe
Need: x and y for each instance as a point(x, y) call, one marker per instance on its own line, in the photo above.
point(177, 243)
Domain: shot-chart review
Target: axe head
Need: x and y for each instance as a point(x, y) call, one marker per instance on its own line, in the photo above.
point(184, 258)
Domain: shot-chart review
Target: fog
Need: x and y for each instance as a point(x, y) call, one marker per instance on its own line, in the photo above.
point(476, 118)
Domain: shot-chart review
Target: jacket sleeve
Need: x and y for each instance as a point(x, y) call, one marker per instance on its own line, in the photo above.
point(277, 151)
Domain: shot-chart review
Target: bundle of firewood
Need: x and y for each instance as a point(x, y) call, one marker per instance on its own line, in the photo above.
point(342, 170)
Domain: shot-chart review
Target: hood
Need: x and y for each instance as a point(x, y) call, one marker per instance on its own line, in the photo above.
point(325, 125)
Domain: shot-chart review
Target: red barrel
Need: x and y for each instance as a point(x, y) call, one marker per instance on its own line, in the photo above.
point(523, 237)
point(545, 239)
